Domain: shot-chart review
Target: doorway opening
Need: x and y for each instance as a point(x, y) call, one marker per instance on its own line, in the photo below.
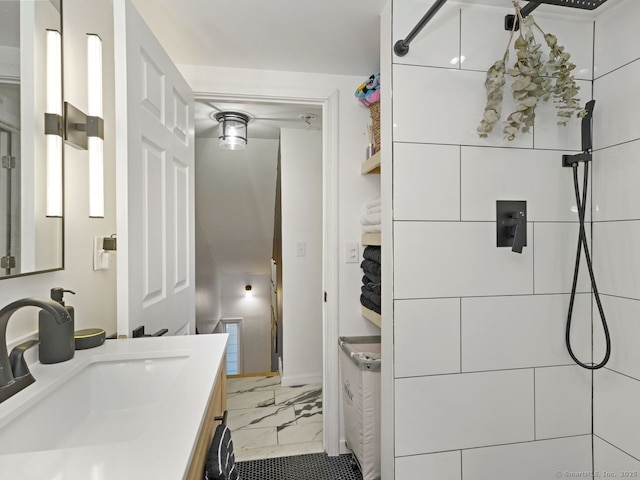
point(301, 119)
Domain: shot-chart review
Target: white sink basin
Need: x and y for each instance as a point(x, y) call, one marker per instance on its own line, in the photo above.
point(106, 402)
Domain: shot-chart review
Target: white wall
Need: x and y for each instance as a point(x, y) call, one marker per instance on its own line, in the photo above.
point(480, 368)
point(301, 171)
point(208, 294)
point(616, 233)
point(95, 301)
point(255, 312)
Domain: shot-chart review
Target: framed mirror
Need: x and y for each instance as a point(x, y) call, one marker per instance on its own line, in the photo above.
point(31, 221)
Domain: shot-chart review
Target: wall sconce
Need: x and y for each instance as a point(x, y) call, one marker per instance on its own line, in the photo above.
point(95, 126)
point(248, 292)
point(232, 133)
point(86, 132)
point(53, 123)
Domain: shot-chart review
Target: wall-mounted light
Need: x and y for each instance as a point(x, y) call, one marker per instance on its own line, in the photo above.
point(95, 126)
point(86, 131)
point(53, 123)
point(232, 133)
point(248, 292)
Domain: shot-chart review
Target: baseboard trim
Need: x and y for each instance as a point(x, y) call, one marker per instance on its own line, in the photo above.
point(295, 380)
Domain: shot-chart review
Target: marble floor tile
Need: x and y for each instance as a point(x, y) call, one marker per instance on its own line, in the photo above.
point(254, 438)
point(260, 417)
point(308, 412)
point(309, 432)
point(278, 451)
point(302, 394)
point(237, 401)
point(252, 384)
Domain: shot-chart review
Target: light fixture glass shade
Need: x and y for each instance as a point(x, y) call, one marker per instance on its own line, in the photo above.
point(248, 292)
point(95, 143)
point(54, 107)
point(232, 133)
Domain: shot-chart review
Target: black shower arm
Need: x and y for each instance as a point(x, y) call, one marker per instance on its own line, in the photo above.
point(402, 46)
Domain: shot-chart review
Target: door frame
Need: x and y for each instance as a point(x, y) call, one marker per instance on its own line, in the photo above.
point(330, 257)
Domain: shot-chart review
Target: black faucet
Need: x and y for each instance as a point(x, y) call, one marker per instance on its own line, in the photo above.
point(14, 373)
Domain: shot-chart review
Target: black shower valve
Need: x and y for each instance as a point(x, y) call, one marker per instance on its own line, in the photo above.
point(511, 224)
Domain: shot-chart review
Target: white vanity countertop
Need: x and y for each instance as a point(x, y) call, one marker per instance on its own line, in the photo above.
point(160, 450)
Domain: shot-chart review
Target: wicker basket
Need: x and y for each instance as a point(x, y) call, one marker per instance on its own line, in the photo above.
point(374, 111)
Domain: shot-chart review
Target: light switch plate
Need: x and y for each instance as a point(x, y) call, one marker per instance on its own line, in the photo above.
point(351, 253)
point(301, 249)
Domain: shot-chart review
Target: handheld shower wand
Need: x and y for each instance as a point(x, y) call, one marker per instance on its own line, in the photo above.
point(581, 201)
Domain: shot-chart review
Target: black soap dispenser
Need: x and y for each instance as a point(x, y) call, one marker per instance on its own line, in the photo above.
point(60, 345)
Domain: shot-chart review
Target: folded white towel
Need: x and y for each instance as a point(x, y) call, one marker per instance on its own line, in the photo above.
point(371, 219)
point(375, 209)
point(371, 229)
point(374, 202)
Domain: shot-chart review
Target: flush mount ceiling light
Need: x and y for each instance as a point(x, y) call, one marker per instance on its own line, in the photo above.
point(233, 129)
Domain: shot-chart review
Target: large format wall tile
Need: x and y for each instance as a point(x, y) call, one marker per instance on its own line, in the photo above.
point(550, 135)
point(563, 402)
point(444, 106)
point(616, 171)
point(615, 118)
point(490, 174)
point(555, 258)
point(623, 318)
point(443, 466)
point(617, 258)
point(611, 461)
point(542, 460)
point(484, 37)
point(426, 182)
point(454, 259)
point(615, 410)
point(438, 44)
point(617, 38)
point(446, 412)
point(436, 325)
point(522, 331)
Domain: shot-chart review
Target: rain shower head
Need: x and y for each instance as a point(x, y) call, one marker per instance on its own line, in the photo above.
point(582, 4)
point(509, 20)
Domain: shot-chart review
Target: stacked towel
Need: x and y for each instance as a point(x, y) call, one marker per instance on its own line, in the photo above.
point(371, 281)
point(372, 219)
point(369, 91)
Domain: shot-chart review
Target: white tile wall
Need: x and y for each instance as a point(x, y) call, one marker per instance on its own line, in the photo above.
point(623, 318)
point(446, 412)
point(617, 258)
point(548, 134)
point(611, 461)
point(522, 331)
point(617, 36)
point(484, 38)
point(444, 106)
point(426, 182)
point(437, 324)
point(616, 171)
point(555, 258)
point(438, 43)
point(615, 118)
point(542, 460)
point(441, 466)
point(563, 402)
point(490, 174)
point(452, 259)
point(615, 410)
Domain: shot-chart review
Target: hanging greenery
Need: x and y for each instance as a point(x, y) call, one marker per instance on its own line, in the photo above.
point(533, 79)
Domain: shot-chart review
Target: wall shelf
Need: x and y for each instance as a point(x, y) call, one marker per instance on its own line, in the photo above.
point(372, 316)
point(371, 239)
point(372, 165)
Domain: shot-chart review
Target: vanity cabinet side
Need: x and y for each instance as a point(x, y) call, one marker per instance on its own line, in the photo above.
point(215, 408)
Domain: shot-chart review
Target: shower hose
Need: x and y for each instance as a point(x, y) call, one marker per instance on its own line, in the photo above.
point(582, 242)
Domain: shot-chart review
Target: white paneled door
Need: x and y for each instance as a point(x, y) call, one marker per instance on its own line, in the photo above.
point(155, 182)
